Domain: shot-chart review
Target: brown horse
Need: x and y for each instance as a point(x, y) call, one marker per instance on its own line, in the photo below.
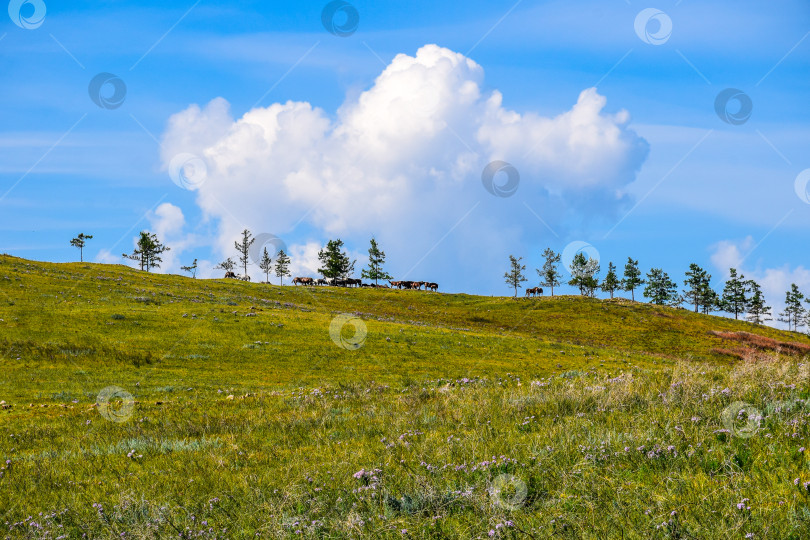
point(534, 291)
point(432, 286)
point(303, 281)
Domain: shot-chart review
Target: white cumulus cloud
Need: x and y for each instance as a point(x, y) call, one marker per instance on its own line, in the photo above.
point(403, 161)
point(727, 254)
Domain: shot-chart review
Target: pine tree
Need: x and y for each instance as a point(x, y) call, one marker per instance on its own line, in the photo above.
point(282, 266)
point(583, 274)
point(794, 311)
point(266, 265)
point(758, 312)
point(632, 277)
point(801, 316)
point(376, 259)
point(153, 251)
point(335, 262)
point(549, 274)
point(591, 282)
point(697, 281)
point(514, 277)
point(611, 281)
point(735, 294)
point(243, 248)
point(660, 289)
point(148, 251)
point(807, 316)
point(709, 299)
point(228, 265)
point(191, 269)
point(577, 270)
point(79, 243)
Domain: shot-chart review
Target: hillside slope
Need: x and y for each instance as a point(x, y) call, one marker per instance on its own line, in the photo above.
point(114, 315)
point(149, 406)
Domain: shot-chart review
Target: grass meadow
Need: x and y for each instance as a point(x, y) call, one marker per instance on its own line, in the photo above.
point(155, 406)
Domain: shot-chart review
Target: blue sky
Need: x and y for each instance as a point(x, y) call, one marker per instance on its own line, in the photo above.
point(690, 187)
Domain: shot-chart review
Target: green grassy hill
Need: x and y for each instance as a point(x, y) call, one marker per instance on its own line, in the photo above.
point(234, 411)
